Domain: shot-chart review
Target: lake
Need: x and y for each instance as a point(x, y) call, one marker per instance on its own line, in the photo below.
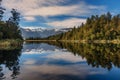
point(61, 61)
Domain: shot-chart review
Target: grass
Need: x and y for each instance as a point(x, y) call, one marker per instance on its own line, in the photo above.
point(10, 43)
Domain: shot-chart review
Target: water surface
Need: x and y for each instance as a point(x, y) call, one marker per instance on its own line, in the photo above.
point(61, 61)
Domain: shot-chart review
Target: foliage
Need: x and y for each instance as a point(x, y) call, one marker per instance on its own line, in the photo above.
point(9, 43)
point(104, 27)
point(10, 29)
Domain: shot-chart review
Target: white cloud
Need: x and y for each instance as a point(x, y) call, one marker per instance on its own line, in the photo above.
point(66, 56)
point(29, 9)
point(30, 61)
point(30, 18)
point(28, 5)
point(81, 9)
point(58, 10)
point(67, 23)
point(39, 8)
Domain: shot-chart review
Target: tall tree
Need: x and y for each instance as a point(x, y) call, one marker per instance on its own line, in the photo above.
point(1, 10)
point(15, 17)
point(13, 24)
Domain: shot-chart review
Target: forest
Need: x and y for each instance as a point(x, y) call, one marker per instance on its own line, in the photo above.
point(103, 27)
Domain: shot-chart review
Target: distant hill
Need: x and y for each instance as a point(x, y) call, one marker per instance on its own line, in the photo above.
point(37, 32)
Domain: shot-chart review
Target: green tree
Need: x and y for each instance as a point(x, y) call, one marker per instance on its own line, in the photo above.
point(1, 11)
point(13, 24)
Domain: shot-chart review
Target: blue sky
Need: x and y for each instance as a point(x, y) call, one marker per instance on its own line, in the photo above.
point(59, 13)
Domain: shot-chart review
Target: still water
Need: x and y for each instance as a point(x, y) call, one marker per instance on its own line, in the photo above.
point(61, 61)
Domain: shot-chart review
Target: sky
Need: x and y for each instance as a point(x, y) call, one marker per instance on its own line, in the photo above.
point(59, 13)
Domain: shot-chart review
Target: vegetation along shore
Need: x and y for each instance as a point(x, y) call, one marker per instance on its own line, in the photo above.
point(10, 34)
point(98, 29)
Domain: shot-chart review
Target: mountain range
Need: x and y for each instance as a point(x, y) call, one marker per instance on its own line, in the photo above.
point(35, 32)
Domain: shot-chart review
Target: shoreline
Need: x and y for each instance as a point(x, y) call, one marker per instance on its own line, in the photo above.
point(10, 42)
point(78, 41)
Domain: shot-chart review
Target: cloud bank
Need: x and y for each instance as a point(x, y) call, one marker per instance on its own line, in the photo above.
point(30, 9)
point(67, 23)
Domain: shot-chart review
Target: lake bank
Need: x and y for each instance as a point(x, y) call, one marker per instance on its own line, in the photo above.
point(78, 41)
point(8, 43)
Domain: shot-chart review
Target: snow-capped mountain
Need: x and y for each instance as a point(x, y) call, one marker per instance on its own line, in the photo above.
point(34, 32)
point(40, 48)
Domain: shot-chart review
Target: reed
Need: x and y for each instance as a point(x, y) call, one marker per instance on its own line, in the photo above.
point(10, 42)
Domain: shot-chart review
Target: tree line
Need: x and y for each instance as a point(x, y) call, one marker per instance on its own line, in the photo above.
point(9, 29)
point(103, 27)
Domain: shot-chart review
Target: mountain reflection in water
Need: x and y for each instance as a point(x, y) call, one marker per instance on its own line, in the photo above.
point(61, 61)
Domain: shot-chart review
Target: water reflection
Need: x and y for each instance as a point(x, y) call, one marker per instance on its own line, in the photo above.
point(66, 61)
point(51, 63)
point(61, 61)
point(97, 55)
point(9, 59)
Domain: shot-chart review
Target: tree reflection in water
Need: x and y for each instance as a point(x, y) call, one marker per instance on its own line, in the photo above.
point(97, 55)
point(10, 59)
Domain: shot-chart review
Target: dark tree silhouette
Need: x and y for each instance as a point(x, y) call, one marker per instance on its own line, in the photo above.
point(10, 29)
point(1, 10)
point(10, 58)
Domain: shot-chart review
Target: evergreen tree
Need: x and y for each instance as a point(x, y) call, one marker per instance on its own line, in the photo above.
point(13, 24)
point(104, 27)
point(10, 29)
point(1, 10)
